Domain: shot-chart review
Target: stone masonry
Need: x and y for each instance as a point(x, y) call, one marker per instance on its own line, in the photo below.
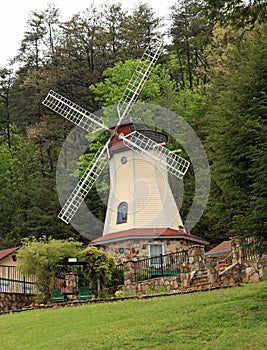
point(15, 301)
point(139, 248)
point(197, 273)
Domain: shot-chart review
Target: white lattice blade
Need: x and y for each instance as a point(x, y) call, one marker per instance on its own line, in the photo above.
point(84, 185)
point(74, 113)
point(143, 145)
point(139, 77)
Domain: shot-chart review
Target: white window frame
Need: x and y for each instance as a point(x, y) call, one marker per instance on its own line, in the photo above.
point(119, 220)
point(149, 253)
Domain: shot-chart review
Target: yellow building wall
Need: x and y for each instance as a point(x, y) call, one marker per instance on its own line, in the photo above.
point(144, 185)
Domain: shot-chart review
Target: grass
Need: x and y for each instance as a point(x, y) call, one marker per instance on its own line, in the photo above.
point(234, 318)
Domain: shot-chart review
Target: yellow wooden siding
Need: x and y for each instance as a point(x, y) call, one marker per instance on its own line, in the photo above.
point(143, 184)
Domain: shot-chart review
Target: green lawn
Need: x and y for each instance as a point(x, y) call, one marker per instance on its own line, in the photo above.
point(234, 318)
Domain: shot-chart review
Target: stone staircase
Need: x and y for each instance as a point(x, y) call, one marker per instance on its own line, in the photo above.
point(200, 280)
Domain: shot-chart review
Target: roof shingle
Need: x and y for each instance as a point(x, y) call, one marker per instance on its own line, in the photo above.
point(151, 233)
point(6, 252)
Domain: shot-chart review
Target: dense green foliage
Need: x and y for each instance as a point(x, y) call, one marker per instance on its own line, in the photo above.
point(212, 73)
point(99, 268)
point(41, 258)
point(226, 319)
point(238, 141)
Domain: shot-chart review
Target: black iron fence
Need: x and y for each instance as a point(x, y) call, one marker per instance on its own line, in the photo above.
point(117, 276)
point(12, 281)
point(162, 265)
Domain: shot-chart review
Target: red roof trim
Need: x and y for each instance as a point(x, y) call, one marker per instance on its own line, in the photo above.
point(149, 233)
point(6, 252)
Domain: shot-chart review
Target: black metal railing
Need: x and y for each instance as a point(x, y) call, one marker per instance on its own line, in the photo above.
point(117, 276)
point(12, 281)
point(162, 265)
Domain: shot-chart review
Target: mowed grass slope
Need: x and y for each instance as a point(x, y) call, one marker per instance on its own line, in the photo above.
point(234, 318)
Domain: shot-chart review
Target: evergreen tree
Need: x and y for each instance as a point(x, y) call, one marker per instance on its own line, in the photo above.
point(237, 13)
point(237, 137)
point(189, 32)
point(141, 27)
point(6, 80)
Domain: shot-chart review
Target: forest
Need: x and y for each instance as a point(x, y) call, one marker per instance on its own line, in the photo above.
point(213, 73)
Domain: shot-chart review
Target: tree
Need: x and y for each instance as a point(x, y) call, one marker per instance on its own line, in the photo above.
point(98, 269)
point(141, 27)
point(237, 13)
point(189, 30)
point(6, 80)
point(159, 89)
point(41, 258)
point(51, 22)
point(236, 129)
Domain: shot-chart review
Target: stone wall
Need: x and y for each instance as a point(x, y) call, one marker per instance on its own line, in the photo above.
point(197, 274)
point(15, 301)
point(246, 271)
point(138, 249)
point(193, 273)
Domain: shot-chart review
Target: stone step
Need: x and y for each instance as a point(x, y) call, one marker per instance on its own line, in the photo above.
point(200, 278)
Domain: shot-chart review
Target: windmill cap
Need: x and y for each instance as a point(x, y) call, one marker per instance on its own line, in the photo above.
point(135, 125)
point(126, 121)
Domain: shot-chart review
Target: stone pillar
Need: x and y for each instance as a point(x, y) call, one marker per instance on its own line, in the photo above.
point(196, 258)
point(236, 250)
point(184, 275)
point(195, 262)
point(213, 271)
point(129, 276)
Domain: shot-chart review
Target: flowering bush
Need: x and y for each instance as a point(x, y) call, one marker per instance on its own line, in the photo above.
point(119, 294)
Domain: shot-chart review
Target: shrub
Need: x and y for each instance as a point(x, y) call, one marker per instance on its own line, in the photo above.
point(119, 294)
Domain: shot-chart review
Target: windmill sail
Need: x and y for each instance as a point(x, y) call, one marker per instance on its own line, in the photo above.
point(91, 123)
point(80, 117)
point(140, 75)
point(76, 114)
point(85, 184)
point(143, 145)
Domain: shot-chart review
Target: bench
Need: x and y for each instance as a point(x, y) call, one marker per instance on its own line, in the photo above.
point(57, 295)
point(164, 273)
point(85, 293)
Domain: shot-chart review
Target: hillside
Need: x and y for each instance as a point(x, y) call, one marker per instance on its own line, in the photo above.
point(224, 319)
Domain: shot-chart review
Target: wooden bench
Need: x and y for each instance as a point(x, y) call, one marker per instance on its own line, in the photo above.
point(57, 295)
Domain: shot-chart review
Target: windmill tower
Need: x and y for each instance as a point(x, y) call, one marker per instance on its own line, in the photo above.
point(140, 196)
point(141, 204)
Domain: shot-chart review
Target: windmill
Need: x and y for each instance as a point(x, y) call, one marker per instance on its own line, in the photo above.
point(131, 137)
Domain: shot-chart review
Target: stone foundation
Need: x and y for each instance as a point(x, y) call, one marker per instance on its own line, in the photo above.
point(138, 249)
point(198, 274)
point(15, 301)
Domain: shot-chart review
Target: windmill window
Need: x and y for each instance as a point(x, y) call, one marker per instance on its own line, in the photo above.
point(124, 160)
point(122, 213)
